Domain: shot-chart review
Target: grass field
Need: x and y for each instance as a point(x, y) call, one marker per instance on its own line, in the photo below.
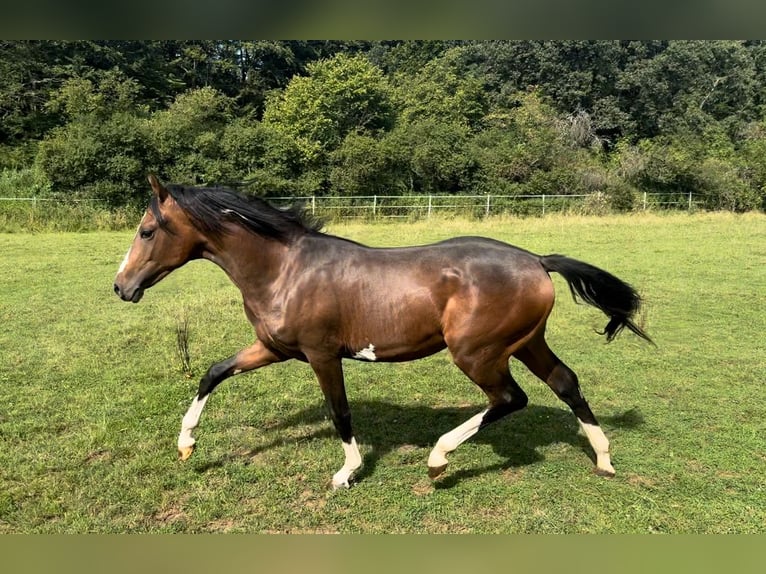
point(93, 395)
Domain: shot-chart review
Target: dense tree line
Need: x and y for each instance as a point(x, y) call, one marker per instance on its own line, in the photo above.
point(91, 118)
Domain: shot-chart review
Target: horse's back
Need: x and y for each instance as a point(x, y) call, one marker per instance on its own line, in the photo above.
point(458, 265)
point(469, 289)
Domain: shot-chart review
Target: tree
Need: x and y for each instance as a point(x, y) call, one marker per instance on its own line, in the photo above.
point(688, 85)
point(433, 153)
point(522, 136)
point(187, 136)
point(28, 75)
point(104, 149)
point(575, 75)
point(339, 95)
point(441, 90)
point(366, 165)
point(408, 57)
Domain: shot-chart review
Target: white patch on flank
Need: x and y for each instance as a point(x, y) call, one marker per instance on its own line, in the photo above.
point(600, 445)
point(367, 354)
point(237, 371)
point(353, 462)
point(190, 422)
point(453, 439)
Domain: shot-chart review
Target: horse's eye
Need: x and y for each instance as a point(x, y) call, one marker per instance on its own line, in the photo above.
point(146, 233)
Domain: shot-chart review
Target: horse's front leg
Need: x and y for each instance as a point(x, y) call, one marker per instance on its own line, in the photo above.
point(329, 372)
point(252, 357)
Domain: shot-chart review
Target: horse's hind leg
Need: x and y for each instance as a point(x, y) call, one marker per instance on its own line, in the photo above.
point(538, 357)
point(505, 396)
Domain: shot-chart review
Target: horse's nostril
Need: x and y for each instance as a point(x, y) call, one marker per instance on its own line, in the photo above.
point(117, 289)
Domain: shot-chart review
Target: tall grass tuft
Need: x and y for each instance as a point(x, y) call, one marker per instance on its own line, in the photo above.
point(182, 344)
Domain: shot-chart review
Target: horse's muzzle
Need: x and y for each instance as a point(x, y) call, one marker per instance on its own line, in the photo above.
point(133, 297)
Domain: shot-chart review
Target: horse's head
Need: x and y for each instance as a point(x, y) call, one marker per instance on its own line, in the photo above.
point(165, 240)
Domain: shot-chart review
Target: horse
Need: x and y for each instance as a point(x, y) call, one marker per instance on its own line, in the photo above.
point(320, 299)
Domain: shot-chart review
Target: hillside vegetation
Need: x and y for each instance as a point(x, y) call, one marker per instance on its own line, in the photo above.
point(87, 119)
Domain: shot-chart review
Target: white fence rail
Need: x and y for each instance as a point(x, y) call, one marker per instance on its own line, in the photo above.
point(407, 206)
point(403, 206)
point(50, 199)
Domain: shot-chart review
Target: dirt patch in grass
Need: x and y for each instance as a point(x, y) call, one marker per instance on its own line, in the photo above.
point(100, 455)
point(423, 487)
point(169, 515)
point(643, 481)
point(221, 525)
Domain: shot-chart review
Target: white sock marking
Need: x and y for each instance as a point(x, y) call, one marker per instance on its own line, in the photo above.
point(453, 439)
point(600, 445)
point(353, 462)
point(190, 422)
point(367, 354)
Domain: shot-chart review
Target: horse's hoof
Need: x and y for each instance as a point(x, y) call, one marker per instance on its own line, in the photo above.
point(340, 485)
point(436, 471)
point(184, 452)
point(603, 472)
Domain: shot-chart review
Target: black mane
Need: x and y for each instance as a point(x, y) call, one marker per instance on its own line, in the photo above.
point(211, 208)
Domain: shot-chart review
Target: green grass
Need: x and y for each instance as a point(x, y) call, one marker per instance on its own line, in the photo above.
point(94, 392)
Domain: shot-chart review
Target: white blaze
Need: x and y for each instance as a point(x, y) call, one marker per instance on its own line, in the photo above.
point(124, 261)
point(127, 255)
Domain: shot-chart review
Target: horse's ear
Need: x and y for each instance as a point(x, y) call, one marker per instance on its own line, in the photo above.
point(159, 190)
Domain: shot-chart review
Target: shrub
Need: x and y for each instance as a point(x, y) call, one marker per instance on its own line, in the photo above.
point(364, 165)
point(28, 182)
point(621, 195)
point(557, 181)
point(187, 136)
point(722, 187)
point(597, 203)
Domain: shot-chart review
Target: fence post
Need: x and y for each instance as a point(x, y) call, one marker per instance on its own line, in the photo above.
point(543, 204)
point(486, 211)
point(374, 204)
point(644, 201)
point(690, 201)
point(429, 206)
point(313, 204)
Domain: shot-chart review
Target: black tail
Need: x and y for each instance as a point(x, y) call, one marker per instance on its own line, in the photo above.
point(618, 300)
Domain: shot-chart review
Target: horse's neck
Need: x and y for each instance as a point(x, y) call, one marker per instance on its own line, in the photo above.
point(251, 262)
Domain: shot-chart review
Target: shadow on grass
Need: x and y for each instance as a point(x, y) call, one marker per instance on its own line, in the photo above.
point(386, 427)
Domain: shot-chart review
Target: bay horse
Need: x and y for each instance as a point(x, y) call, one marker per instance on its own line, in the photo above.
point(321, 299)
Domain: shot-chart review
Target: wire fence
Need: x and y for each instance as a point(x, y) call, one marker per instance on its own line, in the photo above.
point(429, 205)
point(426, 206)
